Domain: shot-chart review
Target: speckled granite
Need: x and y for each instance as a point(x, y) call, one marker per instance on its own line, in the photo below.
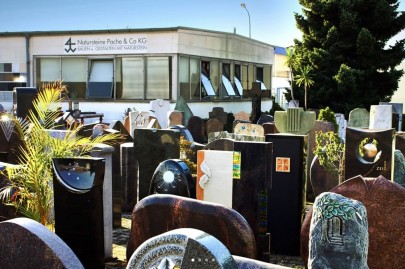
point(25, 243)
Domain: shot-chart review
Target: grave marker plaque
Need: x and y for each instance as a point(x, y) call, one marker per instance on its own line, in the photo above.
point(286, 199)
point(151, 147)
point(250, 191)
point(369, 153)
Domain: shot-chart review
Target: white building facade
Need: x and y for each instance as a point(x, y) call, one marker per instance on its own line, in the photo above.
point(113, 70)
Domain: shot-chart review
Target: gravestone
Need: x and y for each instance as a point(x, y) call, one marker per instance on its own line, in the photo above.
point(359, 118)
point(397, 109)
point(160, 213)
point(175, 118)
point(242, 116)
point(10, 141)
point(269, 128)
point(342, 124)
point(181, 105)
point(380, 117)
point(238, 137)
point(196, 126)
point(138, 119)
point(251, 190)
point(294, 121)
point(25, 243)
point(338, 233)
point(218, 113)
point(286, 200)
point(152, 146)
point(265, 118)
point(321, 179)
point(129, 183)
point(385, 204)
point(215, 174)
point(399, 168)
point(193, 249)
point(173, 177)
point(249, 129)
point(369, 153)
point(214, 125)
point(160, 108)
point(153, 123)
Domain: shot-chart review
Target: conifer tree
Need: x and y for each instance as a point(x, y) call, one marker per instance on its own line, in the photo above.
point(345, 44)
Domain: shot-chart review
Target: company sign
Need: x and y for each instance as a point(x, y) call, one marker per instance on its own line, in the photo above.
point(106, 45)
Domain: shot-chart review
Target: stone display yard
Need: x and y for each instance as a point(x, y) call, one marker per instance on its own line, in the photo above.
point(243, 205)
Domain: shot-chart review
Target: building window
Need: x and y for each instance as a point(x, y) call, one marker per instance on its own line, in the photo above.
point(74, 72)
point(184, 77)
point(101, 78)
point(133, 81)
point(227, 87)
point(158, 78)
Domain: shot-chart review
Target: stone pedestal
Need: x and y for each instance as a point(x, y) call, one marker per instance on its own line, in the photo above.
point(106, 151)
point(294, 121)
point(129, 184)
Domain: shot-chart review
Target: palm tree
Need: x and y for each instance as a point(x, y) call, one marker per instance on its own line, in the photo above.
point(304, 77)
point(291, 62)
point(30, 190)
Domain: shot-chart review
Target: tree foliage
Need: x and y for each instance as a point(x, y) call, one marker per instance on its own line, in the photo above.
point(344, 42)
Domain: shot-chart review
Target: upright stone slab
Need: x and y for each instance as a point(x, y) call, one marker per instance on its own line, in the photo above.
point(385, 204)
point(175, 117)
point(264, 118)
point(399, 168)
point(138, 119)
point(105, 151)
point(269, 128)
point(160, 213)
point(251, 190)
point(218, 113)
point(338, 233)
point(359, 118)
point(196, 126)
point(214, 125)
point(160, 108)
point(25, 243)
point(10, 141)
point(342, 124)
point(380, 117)
point(294, 121)
point(215, 174)
point(286, 200)
point(249, 129)
point(242, 116)
point(152, 146)
point(182, 248)
point(181, 105)
point(397, 109)
point(129, 183)
point(369, 153)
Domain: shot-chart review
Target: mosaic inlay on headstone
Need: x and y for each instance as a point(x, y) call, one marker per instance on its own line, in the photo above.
point(338, 233)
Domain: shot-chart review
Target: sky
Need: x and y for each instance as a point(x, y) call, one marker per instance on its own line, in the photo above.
point(271, 21)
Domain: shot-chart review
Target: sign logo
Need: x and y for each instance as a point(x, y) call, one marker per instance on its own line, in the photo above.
point(69, 43)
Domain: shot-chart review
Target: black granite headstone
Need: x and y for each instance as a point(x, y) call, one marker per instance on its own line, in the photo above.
point(369, 153)
point(78, 191)
point(196, 126)
point(287, 197)
point(250, 192)
point(152, 146)
point(129, 184)
point(23, 100)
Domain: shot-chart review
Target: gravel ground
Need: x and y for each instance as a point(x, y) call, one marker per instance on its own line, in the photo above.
point(120, 237)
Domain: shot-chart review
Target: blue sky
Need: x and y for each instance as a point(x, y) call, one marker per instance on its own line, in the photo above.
point(272, 21)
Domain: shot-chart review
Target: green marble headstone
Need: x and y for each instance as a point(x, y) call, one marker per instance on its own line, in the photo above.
point(359, 118)
point(294, 121)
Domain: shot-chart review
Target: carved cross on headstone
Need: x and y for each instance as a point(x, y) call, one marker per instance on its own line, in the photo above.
point(256, 93)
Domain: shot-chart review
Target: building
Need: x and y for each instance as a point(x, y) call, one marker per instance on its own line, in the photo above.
point(109, 71)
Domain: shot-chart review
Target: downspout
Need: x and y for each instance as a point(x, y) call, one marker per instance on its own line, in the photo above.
point(28, 59)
